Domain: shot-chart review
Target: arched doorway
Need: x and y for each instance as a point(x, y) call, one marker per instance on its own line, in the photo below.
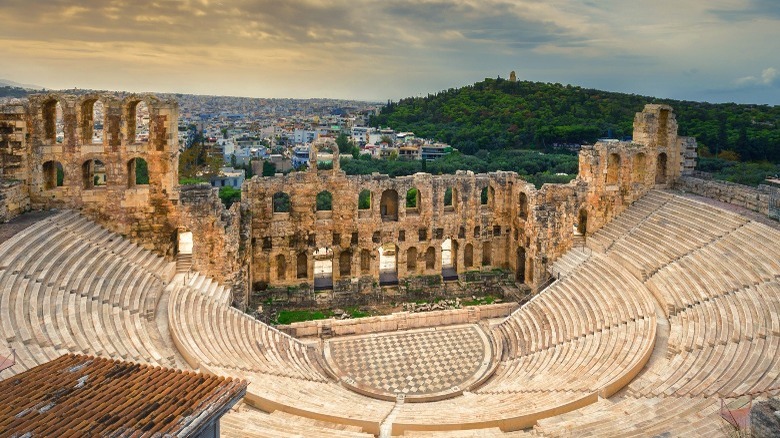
point(660, 169)
point(582, 222)
point(388, 264)
point(449, 269)
point(323, 268)
point(520, 273)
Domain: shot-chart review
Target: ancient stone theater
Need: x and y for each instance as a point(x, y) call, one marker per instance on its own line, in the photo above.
point(654, 303)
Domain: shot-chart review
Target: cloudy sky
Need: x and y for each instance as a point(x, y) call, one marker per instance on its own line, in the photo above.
point(713, 50)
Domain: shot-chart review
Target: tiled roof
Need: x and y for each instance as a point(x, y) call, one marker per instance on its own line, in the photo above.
point(76, 395)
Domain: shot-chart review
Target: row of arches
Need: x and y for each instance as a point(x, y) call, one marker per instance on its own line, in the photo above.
point(92, 120)
point(389, 202)
point(638, 168)
point(387, 256)
point(94, 174)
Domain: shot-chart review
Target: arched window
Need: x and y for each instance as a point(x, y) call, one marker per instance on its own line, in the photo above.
point(324, 201)
point(413, 201)
point(487, 254)
point(364, 200)
point(468, 255)
point(345, 263)
point(93, 174)
point(483, 197)
point(430, 258)
point(638, 168)
point(281, 267)
point(450, 199)
point(411, 260)
point(302, 266)
point(613, 169)
point(660, 169)
point(137, 172)
point(138, 117)
point(477, 231)
point(522, 206)
point(446, 254)
point(281, 202)
point(53, 175)
point(388, 205)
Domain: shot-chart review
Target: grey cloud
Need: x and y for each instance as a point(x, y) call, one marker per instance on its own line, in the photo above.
point(754, 9)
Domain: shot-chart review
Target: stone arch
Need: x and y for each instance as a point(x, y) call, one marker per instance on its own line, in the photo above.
point(484, 196)
point(388, 263)
point(345, 263)
point(661, 168)
point(324, 201)
point(302, 266)
point(582, 221)
point(477, 231)
point(93, 174)
point(638, 168)
point(520, 273)
point(137, 172)
point(446, 254)
point(388, 205)
point(411, 260)
point(53, 175)
point(430, 258)
point(364, 200)
point(323, 144)
point(468, 255)
point(281, 202)
point(323, 268)
point(53, 115)
point(281, 267)
point(487, 254)
point(613, 169)
point(522, 205)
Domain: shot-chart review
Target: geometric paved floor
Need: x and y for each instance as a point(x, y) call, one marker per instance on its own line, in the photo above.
point(422, 362)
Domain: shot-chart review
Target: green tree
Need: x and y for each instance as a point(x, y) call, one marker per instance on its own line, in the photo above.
point(269, 168)
point(229, 195)
point(324, 201)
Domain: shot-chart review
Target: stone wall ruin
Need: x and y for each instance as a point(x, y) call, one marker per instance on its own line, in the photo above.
point(319, 229)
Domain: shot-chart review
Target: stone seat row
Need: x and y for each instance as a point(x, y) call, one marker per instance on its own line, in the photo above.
point(602, 240)
point(212, 334)
point(743, 258)
point(591, 299)
point(210, 288)
point(70, 286)
point(628, 417)
point(714, 349)
point(325, 401)
point(569, 262)
point(677, 228)
point(589, 363)
point(251, 423)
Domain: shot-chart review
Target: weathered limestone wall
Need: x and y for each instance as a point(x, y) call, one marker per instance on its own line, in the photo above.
point(14, 195)
point(216, 234)
point(145, 213)
point(13, 200)
point(763, 199)
point(354, 236)
point(397, 321)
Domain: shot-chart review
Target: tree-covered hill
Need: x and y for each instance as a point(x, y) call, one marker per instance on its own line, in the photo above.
point(497, 114)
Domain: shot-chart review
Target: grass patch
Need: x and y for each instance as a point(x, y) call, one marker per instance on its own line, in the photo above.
point(355, 312)
point(290, 316)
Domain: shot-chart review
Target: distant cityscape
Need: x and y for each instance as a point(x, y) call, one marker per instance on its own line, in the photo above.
point(244, 132)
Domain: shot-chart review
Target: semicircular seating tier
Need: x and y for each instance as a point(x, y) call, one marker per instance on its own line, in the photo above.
point(672, 305)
